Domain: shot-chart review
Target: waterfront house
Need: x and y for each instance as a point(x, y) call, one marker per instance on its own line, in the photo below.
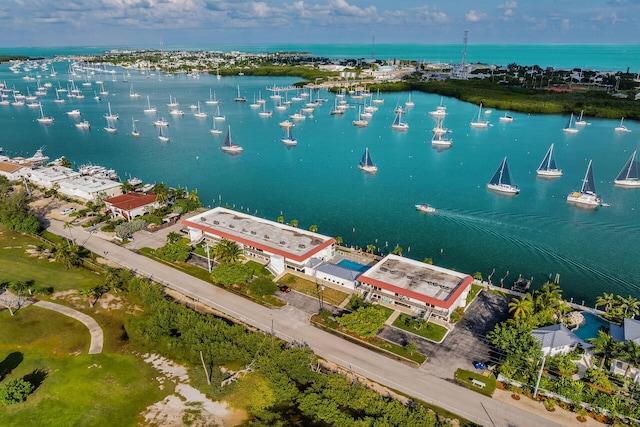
point(557, 339)
point(89, 188)
point(13, 171)
point(279, 246)
point(131, 205)
point(423, 288)
point(51, 177)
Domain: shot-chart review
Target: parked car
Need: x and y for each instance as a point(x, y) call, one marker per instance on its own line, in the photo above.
point(67, 211)
point(479, 365)
point(284, 288)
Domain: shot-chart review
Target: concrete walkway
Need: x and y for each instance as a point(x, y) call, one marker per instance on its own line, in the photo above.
point(97, 336)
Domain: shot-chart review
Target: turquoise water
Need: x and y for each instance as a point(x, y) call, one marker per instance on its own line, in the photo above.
point(591, 327)
point(353, 265)
point(536, 234)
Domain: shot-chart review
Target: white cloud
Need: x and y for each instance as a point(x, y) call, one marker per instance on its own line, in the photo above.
point(473, 16)
point(344, 8)
point(508, 5)
point(565, 24)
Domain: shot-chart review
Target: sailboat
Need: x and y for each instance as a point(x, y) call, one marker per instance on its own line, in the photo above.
point(360, 122)
point(161, 136)
point(255, 103)
point(134, 131)
point(501, 180)
point(587, 196)
point(173, 103)
point(228, 146)
point(110, 128)
point(440, 140)
point(133, 94)
point(621, 127)
point(240, 98)
point(149, 108)
point(264, 112)
point(548, 167)
point(102, 91)
point(47, 120)
point(570, 127)
point(58, 100)
point(506, 118)
point(214, 130)
point(212, 98)
point(409, 102)
point(200, 114)
point(288, 138)
point(111, 116)
point(83, 125)
point(480, 122)
point(336, 111)
point(440, 110)
point(366, 164)
point(377, 99)
point(629, 176)
point(581, 121)
point(398, 124)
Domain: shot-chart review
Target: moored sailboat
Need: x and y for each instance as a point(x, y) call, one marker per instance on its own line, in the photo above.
point(134, 131)
point(587, 196)
point(161, 136)
point(288, 138)
point(548, 167)
point(570, 126)
point(479, 121)
point(629, 175)
point(228, 146)
point(398, 124)
point(621, 127)
point(366, 164)
point(501, 180)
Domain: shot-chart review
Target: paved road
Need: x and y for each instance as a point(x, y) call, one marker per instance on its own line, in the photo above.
point(97, 336)
point(291, 324)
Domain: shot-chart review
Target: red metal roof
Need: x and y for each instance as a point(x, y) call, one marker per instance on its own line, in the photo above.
point(131, 201)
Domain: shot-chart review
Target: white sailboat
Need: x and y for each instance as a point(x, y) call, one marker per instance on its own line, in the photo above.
point(286, 124)
point(377, 99)
point(581, 121)
point(212, 98)
point(360, 121)
point(103, 92)
point(398, 124)
point(132, 93)
point(228, 146)
point(506, 118)
point(570, 128)
point(110, 128)
point(288, 138)
point(58, 100)
point(161, 136)
point(111, 116)
point(218, 116)
point(439, 140)
point(621, 127)
point(83, 125)
point(440, 110)
point(255, 104)
point(548, 167)
point(199, 114)
point(214, 130)
point(134, 131)
point(501, 180)
point(240, 98)
point(409, 102)
point(173, 103)
point(629, 175)
point(587, 196)
point(47, 120)
point(149, 109)
point(161, 122)
point(480, 121)
point(366, 164)
point(264, 112)
point(73, 113)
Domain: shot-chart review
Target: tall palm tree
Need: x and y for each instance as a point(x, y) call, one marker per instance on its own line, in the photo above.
point(631, 307)
point(193, 196)
point(227, 251)
point(397, 250)
point(339, 240)
point(604, 345)
point(294, 223)
point(632, 355)
point(606, 301)
point(69, 256)
point(313, 228)
point(371, 248)
point(521, 308)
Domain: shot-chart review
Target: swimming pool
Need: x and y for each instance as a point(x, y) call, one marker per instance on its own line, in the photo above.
point(353, 265)
point(591, 327)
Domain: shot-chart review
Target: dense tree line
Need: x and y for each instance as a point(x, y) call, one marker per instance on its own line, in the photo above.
point(281, 385)
point(14, 208)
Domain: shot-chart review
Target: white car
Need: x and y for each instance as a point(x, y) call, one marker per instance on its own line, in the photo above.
point(67, 211)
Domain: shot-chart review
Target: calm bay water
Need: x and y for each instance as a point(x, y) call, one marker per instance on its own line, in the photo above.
point(317, 182)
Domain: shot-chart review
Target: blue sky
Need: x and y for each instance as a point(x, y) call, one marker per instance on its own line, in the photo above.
point(210, 22)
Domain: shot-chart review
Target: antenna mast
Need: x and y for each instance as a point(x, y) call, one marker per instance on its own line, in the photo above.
point(464, 49)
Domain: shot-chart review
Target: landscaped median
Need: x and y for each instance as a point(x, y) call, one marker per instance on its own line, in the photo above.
point(427, 330)
point(483, 384)
point(326, 321)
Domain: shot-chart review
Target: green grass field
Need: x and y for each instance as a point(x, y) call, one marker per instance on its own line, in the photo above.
point(331, 296)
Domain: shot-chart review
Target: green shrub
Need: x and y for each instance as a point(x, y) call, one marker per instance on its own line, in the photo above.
point(261, 287)
point(15, 391)
point(229, 274)
point(174, 252)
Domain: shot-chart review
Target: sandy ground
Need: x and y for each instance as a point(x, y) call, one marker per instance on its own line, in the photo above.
point(186, 405)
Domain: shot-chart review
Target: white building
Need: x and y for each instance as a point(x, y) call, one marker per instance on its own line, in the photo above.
point(13, 171)
point(281, 246)
point(557, 339)
point(48, 177)
point(421, 287)
point(131, 205)
point(89, 188)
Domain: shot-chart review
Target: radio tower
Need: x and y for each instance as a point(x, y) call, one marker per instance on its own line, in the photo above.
point(464, 49)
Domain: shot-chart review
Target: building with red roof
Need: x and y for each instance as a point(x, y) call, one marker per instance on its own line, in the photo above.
point(131, 205)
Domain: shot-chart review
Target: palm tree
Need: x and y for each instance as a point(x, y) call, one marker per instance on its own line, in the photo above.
point(227, 251)
point(631, 307)
point(173, 237)
point(281, 219)
point(161, 192)
point(606, 301)
point(549, 295)
point(126, 187)
point(632, 355)
point(371, 248)
point(397, 250)
point(294, 223)
point(313, 228)
point(604, 345)
point(339, 240)
point(193, 197)
point(521, 308)
point(69, 256)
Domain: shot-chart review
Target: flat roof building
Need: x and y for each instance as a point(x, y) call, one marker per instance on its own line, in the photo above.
point(49, 177)
point(280, 245)
point(416, 285)
point(89, 188)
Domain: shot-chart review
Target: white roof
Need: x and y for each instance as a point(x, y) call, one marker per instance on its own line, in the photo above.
point(89, 184)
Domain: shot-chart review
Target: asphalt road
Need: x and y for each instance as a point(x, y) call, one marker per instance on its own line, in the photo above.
point(290, 323)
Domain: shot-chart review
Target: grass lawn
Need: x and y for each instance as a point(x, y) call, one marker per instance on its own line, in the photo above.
point(475, 290)
point(77, 389)
point(464, 378)
point(259, 269)
point(331, 296)
point(430, 331)
point(18, 265)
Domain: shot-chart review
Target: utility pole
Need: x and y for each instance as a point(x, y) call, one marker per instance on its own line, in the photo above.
point(535, 391)
point(206, 245)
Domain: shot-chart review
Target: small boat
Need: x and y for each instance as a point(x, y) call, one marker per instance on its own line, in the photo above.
point(149, 108)
point(506, 118)
point(212, 98)
point(111, 116)
point(73, 113)
point(399, 109)
point(240, 98)
point(570, 128)
point(425, 208)
point(264, 112)
point(103, 92)
point(548, 167)
point(409, 102)
point(173, 103)
point(214, 130)
point(440, 110)
point(228, 146)
point(133, 94)
point(439, 140)
point(587, 196)
point(581, 121)
point(176, 112)
point(199, 114)
point(218, 116)
point(47, 120)
point(255, 104)
point(161, 122)
point(286, 124)
point(439, 128)
point(366, 164)
point(58, 100)
point(110, 128)
point(501, 180)
point(297, 116)
point(480, 122)
point(134, 131)
point(288, 138)
point(83, 125)
point(360, 122)
point(621, 127)
point(398, 124)
point(377, 99)
point(629, 175)
point(161, 136)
